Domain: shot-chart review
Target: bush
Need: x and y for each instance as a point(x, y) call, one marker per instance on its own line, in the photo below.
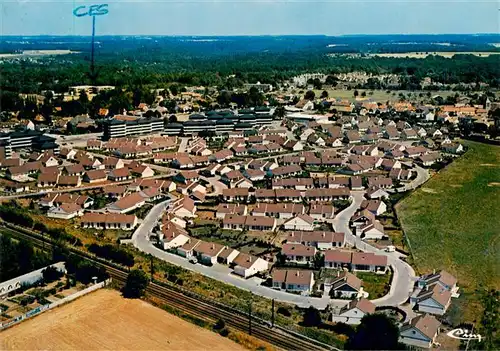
point(284, 311)
point(26, 300)
point(311, 317)
point(136, 284)
point(224, 332)
point(220, 324)
point(86, 271)
point(51, 274)
point(112, 253)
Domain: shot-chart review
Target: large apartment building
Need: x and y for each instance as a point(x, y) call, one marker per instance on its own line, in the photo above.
point(221, 122)
point(123, 126)
point(29, 139)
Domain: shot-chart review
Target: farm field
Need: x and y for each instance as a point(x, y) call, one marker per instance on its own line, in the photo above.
point(452, 222)
point(104, 320)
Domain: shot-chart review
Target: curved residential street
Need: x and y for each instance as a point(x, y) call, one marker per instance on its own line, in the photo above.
point(401, 287)
point(140, 239)
point(422, 176)
point(404, 275)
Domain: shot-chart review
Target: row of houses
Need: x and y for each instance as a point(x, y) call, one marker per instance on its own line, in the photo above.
point(272, 195)
point(173, 237)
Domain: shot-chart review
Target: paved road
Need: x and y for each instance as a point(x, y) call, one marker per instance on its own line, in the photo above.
point(422, 176)
point(183, 144)
point(401, 287)
point(404, 275)
point(75, 140)
point(219, 272)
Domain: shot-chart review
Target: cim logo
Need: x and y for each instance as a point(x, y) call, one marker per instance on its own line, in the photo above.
point(463, 334)
point(93, 10)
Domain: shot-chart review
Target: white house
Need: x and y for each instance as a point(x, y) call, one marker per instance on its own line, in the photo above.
point(376, 207)
point(227, 255)
point(353, 312)
point(305, 134)
point(294, 145)
point(298, 253)
point(293, 280)
point(420, 332)
point(187, 250)
point(346, 285)
point(108, 221)
point(247, 265)
point(433, 300)
point(207, 252)
point(301, 222)
point(377, 193)
point(65, 211)
point(371, 231)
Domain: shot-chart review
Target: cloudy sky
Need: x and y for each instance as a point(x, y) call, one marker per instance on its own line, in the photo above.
point(252, 17)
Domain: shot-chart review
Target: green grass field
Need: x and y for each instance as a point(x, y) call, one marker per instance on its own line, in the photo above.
point(453, 221)
point(377, 285)
point(381, 95)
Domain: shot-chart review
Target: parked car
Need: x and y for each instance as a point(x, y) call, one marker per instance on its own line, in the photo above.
point(193, 260)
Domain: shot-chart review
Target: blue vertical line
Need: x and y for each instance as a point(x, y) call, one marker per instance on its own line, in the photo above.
point(92, 65)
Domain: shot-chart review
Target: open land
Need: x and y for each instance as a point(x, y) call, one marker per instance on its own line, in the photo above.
point(381, 95)
point(104, 320)
point(453, 222)
point(447, 54)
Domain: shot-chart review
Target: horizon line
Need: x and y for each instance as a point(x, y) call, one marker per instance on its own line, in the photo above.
point(253, 35)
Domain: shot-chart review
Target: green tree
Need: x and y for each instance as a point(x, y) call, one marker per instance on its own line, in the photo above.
point(83, 99)
point(137, 282)
point(376, 332)
point(224, 98)
point(356, 93)
point(51, 274)
point(324, 94)
point(310, 95)
point(490, 322)
point(279, 112)
point(317, 83)
point(311, 317)
point(174, 89)
point(319, 260)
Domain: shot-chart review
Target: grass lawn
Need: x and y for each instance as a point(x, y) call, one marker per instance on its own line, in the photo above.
point(453, 221)
point(377, 285)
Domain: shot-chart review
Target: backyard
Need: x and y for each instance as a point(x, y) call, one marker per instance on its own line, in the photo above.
point(452, 222)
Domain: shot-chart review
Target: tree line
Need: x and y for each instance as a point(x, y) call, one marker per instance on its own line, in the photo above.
point(228, 71)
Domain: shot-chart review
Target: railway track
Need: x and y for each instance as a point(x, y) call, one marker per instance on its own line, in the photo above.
point(200, 309)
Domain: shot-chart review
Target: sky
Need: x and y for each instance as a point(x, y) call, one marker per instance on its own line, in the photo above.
point(252, 17)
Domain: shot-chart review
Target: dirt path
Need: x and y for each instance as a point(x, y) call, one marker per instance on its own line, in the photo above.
point(104, 320)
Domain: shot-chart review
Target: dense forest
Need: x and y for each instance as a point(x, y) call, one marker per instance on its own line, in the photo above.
point(158, 61)
point(57, 73)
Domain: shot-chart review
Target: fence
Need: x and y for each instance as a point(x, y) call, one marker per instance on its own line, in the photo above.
point(40, 309)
